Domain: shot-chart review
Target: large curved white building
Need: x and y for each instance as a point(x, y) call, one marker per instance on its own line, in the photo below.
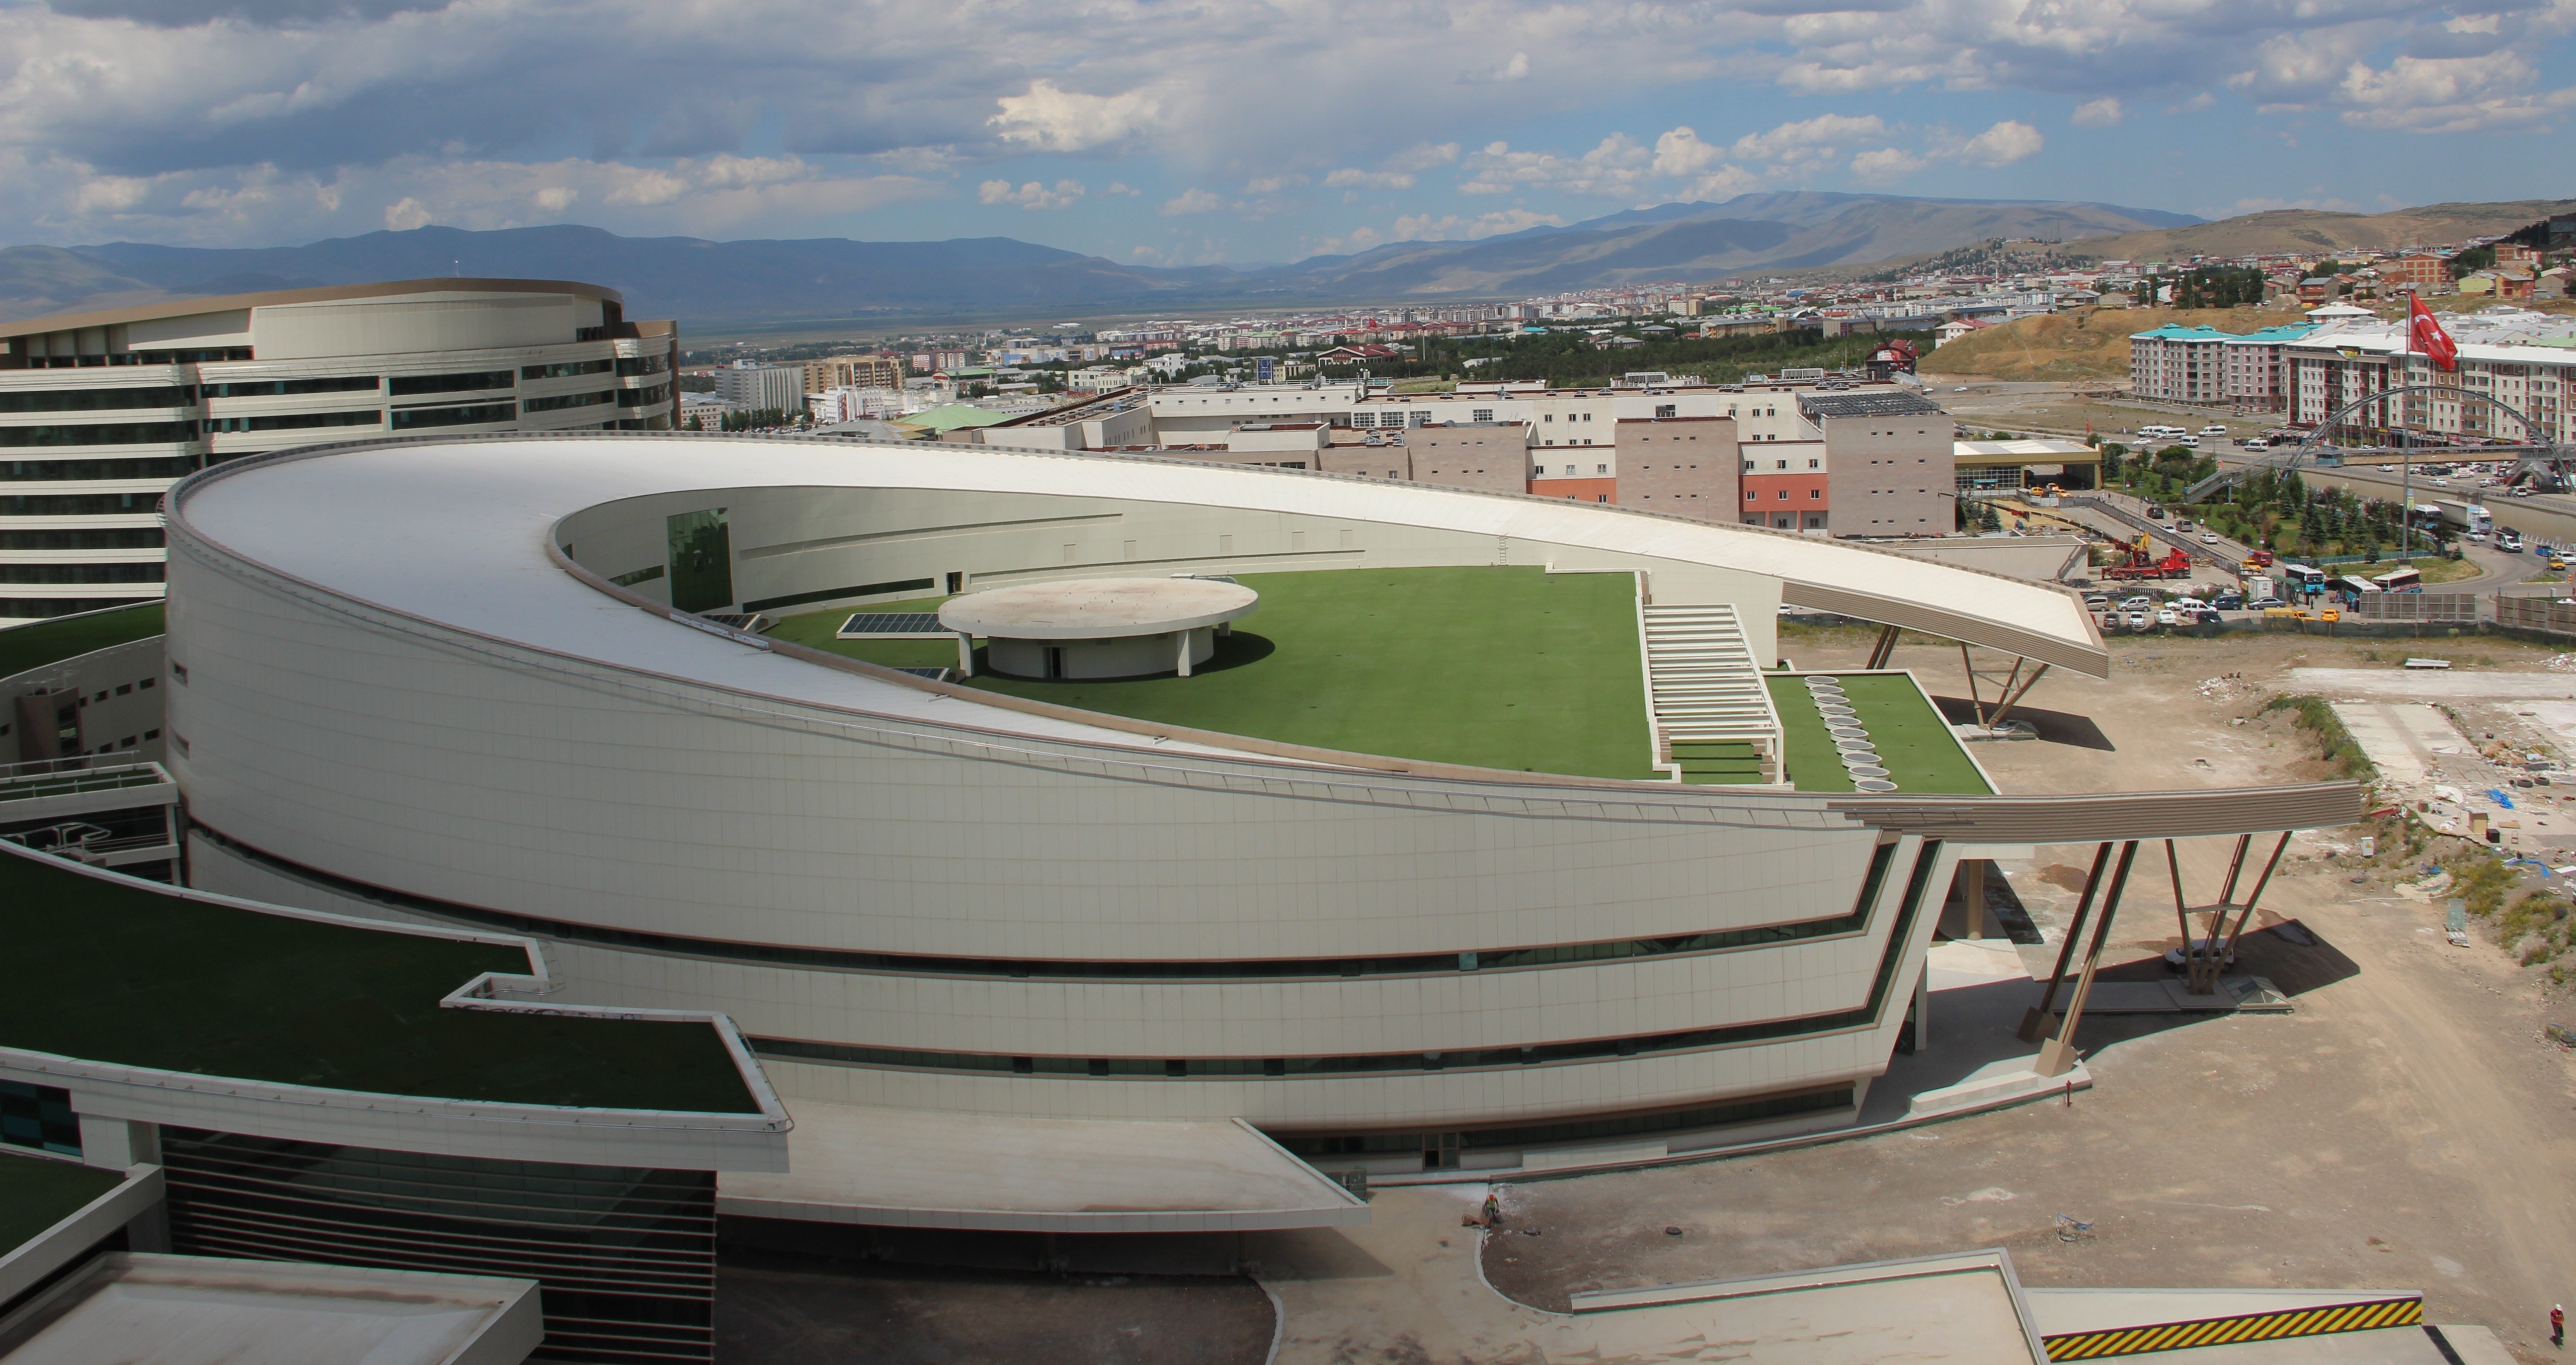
point(442, 679)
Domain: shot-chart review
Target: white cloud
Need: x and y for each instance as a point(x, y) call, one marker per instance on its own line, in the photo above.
point(1191, 201)
point(1121, 187)
point(1811, 140)
point(1616, 166)
point(1031, 196)
point(1517, 68)
point(2101, 113)
point(1055, 120)
point(1449, 227)
point(405, 215)
point(1397, 172)
point(2003, 144)
point(1886, 166)
point(555, 198)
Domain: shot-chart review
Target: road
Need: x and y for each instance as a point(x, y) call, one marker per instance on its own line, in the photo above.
point(2544, 516)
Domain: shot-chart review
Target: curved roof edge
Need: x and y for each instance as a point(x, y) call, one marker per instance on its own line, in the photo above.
point(189, 307)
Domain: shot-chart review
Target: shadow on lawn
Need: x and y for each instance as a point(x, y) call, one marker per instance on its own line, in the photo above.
point(1232, 651)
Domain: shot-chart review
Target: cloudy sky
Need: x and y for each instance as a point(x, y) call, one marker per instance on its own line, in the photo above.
point(1191, 131)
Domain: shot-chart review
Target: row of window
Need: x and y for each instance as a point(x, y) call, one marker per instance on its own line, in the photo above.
point(566, 369)
point(1813, 494)
point(288, 388)
point(82, 573)
point(109, 538)
point(98, 400)
point(299, 421)
point(77, 505)
point(452, 383)
point(63, 471)
point(416, 418)
point(567, 400)
point(32, 607)
point(98, 434)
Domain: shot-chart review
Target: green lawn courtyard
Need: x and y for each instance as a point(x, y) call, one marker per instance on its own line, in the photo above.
point(1511, 668)
point(1914, 743)
point(36, 1193)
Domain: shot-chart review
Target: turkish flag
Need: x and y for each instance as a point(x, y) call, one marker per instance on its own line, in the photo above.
point(2425, 334)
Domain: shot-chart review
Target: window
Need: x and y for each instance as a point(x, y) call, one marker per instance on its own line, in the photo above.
point(643, 398)
point(566, 369)
point(1815, 464)
point(1601, 469)
point(97, 400)
point(99, 434)
point(1748, 464)
point(449, 383)
point(1750, 495)
point(1784, 495)
point(132, 538)
point(1815, 495)
point(81, 573)
point(296, 421)
point(630, 366)
point(567, 400)
point(1667, 409)
point(412, 419)
point(1481, 415)
point(1781, 463)
point(1547, 417)
point(50, 471)
point(283, 388)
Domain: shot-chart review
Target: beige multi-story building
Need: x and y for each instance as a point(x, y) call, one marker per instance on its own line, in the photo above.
point(853, 372)
point(101, 412)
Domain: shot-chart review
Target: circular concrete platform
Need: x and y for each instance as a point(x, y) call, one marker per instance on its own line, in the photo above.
point(1100, 627)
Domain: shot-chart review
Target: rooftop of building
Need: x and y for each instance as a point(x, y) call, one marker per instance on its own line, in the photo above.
point(36, 644)
point(176, 981)
point(2285, 332)
point(271, 298)
point(952, 417)
point(1509, 668)
point(1887, 403)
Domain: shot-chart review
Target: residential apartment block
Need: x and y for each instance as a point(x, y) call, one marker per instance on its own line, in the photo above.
point(853, 372)
point(1872, 461)
point(752, 387)
point(2516, 380)
point(2243, 370)
point(101, 412)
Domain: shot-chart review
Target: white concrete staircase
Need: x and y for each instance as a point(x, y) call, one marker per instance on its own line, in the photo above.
point(1705, 693)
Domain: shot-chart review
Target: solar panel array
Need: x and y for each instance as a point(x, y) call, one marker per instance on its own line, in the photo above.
point(892, 623)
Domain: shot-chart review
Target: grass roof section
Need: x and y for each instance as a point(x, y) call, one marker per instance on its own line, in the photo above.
point(1511, 668)
point(36, 1193)
point(116, 970)
point(39, 643)
point(1914, 742)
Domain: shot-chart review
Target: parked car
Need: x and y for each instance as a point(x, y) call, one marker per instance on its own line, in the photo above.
point(2206, 618)
point(2228, 601)
point(2168, 617)
point(2097, 602)
point(2137, 620)
point(2173, 955)
point(2138, 603)
point(2209, 537)
point(2265, 604)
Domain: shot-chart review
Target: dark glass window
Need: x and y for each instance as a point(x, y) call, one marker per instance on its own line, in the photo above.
point(644, 398)
point(38, 1116)
point(298, 421)
point(453, 417)
point(77, 504)
point(633, 365)
point(98, 400)
point(567, 400)
point(64, 606)
point(450, 383)
point(567, 369)
point(113, 538)
point(36, 471)
point(99, 434)
point(82, 573)
point(282, 388)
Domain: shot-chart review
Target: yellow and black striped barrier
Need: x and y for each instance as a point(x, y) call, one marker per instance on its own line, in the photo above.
point(2289, 1322)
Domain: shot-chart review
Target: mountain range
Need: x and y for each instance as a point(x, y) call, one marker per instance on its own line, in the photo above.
point(783, 285)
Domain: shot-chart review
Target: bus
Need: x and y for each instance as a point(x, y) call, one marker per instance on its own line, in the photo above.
point(2303, 579)
point(2353, 587)
point(2403, 578)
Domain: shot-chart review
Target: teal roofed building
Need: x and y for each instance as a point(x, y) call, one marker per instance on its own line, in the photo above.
point(2240, 371)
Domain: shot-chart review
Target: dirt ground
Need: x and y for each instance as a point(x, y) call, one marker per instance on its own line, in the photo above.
point(774, 1309)
point(2407, 1127)
point(1990, 405)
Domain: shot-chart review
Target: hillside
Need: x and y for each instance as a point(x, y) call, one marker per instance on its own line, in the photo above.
point(2300, 231)
point(2082, 345)
point(823, 282)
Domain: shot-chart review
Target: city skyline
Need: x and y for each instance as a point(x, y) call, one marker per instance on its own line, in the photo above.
point(1179, 135)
